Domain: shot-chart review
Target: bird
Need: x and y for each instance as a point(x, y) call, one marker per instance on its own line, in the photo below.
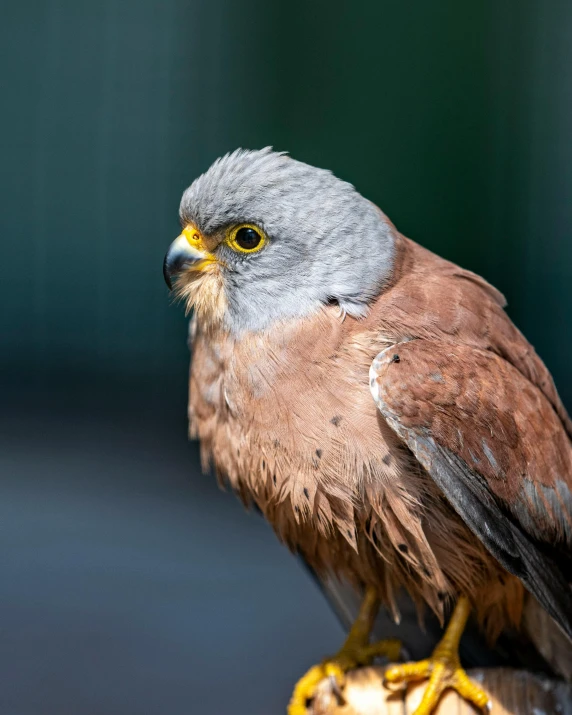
point(377, 405)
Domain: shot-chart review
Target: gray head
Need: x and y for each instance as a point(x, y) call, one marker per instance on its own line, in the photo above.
point(268, 238)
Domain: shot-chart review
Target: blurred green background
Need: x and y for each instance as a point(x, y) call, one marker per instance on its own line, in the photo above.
point(455, 117)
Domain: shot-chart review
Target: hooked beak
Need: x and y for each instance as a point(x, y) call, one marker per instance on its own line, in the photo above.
point(180, 256)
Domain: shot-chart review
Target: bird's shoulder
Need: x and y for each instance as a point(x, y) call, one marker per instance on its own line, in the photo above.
point(435, 299)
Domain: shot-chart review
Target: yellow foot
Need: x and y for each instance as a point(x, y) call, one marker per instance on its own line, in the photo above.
point(335, 668)
point(444, 671)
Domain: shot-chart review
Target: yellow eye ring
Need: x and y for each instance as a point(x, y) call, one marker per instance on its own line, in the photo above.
point(246, 238)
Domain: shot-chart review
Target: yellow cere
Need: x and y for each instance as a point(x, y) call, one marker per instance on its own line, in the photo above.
point(192, 236)
point(198, 249)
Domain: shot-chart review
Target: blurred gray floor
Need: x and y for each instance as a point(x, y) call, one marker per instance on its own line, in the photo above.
point(130, 583)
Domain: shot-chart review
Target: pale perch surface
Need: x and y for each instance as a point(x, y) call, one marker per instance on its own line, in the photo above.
point(512, 692)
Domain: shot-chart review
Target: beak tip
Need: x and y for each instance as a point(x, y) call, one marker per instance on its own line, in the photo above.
point(166, 273)
point(179, 257)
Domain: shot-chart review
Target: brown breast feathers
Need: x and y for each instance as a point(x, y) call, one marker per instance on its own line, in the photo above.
point(286, 417)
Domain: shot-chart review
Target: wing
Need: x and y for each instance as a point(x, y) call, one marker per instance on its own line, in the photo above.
point(496, 448)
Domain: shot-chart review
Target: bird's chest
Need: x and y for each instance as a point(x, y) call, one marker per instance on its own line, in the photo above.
point(291, 424)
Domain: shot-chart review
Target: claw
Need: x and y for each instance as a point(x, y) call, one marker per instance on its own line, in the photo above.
point(335, 670)
point(336, 690)
point(444, 671)
point(306, 687)
point(356, 651)
point(443, 668)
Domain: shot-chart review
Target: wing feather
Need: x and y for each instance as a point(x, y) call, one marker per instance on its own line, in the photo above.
point(496, 448)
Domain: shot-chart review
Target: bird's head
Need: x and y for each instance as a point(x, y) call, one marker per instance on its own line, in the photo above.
point(267, 238)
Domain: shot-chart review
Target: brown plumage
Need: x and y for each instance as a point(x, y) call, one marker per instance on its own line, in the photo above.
point(378, 406)
point(287, 419)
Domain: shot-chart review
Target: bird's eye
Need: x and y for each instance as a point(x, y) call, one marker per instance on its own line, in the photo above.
point(246, 238)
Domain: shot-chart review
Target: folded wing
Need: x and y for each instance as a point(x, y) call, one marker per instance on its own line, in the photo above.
point(496, 448)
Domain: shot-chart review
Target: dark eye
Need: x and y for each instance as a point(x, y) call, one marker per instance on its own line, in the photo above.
point(247, 238)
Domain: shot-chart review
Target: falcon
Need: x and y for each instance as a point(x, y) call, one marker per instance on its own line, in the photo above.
point(377, 405)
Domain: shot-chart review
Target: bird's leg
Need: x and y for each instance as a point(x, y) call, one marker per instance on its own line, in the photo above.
point(443, 668)
point(355, 651)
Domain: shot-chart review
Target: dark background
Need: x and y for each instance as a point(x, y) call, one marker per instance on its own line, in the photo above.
point(130, 584)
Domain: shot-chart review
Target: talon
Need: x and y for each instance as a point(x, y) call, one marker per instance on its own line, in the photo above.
point(443, 673)
point(350, 656)
point(470, 690)
point(356, 651)
point(336, 690)
point(443, 669)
